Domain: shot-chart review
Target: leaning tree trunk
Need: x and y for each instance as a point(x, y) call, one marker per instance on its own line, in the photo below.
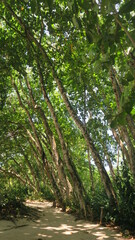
point(13, 173)
point(55, 155)
point(118, 89)
point(104, 176)
point(35, 179)
point(131, 149)
point(41, 151)
point(123, 148)
point(76, 181)
point(124, 132)
point(90, 171)
point(51, 178)
point(98, 161)
point(110, 166)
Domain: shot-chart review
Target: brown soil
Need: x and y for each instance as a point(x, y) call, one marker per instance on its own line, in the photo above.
point(51, 223)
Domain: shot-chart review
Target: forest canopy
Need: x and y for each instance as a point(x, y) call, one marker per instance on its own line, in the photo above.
point(67, 104)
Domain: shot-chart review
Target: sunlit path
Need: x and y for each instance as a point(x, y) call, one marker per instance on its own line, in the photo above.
point(54, 224)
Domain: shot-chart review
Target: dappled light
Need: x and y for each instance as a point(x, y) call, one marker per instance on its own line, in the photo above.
point(54, 224)
point(67, 118)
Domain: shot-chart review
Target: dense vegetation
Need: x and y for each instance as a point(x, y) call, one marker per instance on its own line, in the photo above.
point(67, 105)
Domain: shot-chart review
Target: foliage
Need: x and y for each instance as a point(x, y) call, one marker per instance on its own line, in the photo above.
point(126, 199)
point(67, 80)
point(12, 196)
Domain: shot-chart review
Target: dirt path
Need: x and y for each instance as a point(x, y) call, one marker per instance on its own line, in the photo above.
point(54, 225)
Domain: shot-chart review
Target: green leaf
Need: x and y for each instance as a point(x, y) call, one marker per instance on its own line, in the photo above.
point(120, 119)
point(132, 34)
point(133, 112)
point(84, 4)
point(75, 22)
point(128, 106)
point(129, 76)
point(33, 6)
point(89, 36)
point(50, 4)
point(127, 7)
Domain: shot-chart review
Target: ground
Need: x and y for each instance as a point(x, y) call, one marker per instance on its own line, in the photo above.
point(54, 224)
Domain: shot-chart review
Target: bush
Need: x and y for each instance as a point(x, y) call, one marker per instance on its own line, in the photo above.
point(12, 196)
point(126, 194)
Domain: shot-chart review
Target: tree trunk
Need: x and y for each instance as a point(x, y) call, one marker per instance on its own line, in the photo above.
point(123, 148)
point(78, 187)
point(56, 190)
point(110, 166)
point(55, 154)
point(131, 150)
point(118, 89)
point(20, 178)
point(90, 171)
point(124, 133)
point(104, 176)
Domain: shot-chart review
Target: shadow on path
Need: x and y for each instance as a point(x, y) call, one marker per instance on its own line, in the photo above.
point(54, 225)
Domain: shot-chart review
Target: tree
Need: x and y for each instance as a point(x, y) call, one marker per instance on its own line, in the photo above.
point(68, 66)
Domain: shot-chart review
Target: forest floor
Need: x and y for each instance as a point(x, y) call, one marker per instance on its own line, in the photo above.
point(51, 223)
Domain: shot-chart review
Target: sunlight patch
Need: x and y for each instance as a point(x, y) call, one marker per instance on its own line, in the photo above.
point(43, 235)
point(69, 232)
point(100, 235)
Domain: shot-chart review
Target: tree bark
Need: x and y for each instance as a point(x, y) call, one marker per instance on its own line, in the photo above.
point(124, 133)
point(19, 177)
point(118, 89)
point(90, 171)
point(52, 180)
point(76, 181)
point(104, 176)
point(55, 154)
point(131, 150)
point(39, 148)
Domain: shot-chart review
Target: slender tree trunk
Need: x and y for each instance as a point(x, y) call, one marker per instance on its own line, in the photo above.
point(35, 180)
point(118, 89)
point(90, 171)
point(131, 150)
point(40, 149)
point(110, 166)
point(117, 19)
point(52, 180)
point(78, 187)
point(123, 148)
point(54, 151)
point(124, 133)
point(118, 160)
point(131, 125)
point(32, 182)
point(38, 161)
point(104, 176)
point(12, 172)
point(108, 160)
